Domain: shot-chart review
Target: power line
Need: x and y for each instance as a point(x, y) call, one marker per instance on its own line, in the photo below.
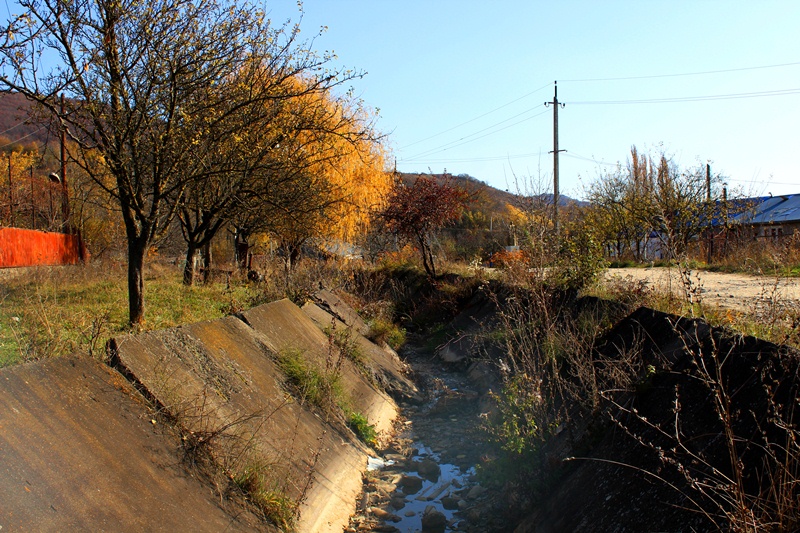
point(476, 118)
point(759, 181)
point(700, 73)
point(480, 159)
point(466, 139)
point(573, 155)
point(23, 137)
point(780, 92)
point(17, 125)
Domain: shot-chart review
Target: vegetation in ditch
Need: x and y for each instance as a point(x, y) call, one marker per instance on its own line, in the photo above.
point(323, 387)
point(382, 330)
point(310, 383)
point(256, 480)
point(362, 428)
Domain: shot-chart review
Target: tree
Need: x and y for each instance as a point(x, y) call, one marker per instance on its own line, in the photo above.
point(413, 212)
point(650, 196)
point(321, 181)
point(140, 81)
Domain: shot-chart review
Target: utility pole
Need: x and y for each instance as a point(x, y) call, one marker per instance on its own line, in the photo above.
point(709, 216)
point(555, 151)
point(64, 190)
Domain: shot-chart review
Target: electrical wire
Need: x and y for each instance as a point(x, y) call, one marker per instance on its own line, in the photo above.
point(584, 158)
point(701, 73)
point(17, 125)
point(780, 92)
point(480, 159)
point(476, 118)
point(466, 139)
point(23, 137)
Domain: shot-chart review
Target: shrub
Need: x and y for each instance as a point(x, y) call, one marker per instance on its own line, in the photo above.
point(381, 330)
point(362, 428)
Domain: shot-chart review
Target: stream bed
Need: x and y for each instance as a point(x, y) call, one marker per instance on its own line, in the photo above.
point(425, 479)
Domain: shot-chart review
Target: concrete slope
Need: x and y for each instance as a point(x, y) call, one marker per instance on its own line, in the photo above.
point(382, 363)
point(219, 381)
point(79, 452)
point(284, 326)
point(333, 305)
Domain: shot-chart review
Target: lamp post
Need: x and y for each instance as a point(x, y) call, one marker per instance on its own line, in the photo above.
point(55, 178)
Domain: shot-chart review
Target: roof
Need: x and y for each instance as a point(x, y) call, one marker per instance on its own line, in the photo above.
point(770, 210)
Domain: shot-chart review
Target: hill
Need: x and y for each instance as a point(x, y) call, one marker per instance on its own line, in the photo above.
point(15, 122)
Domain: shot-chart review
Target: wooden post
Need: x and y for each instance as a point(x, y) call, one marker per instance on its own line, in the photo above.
point(10, 194)
point(64, 190)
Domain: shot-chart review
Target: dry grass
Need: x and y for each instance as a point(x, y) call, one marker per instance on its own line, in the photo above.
point(53, 311)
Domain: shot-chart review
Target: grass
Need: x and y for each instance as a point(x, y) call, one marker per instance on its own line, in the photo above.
point(324, 389)
point(48, 312)
point(311, 385)
point(256, 480)
point(362, 428)
point(381, 330)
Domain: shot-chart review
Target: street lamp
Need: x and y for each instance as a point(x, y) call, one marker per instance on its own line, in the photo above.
point(55, 178)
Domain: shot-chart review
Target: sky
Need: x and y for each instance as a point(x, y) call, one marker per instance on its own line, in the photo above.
point(460, 85)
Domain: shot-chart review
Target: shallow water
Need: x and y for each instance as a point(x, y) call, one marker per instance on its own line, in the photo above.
point(451, 479)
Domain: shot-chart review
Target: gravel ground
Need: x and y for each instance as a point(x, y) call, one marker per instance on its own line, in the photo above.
point(741, 292)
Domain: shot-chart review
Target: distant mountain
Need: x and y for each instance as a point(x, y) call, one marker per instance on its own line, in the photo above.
point(496, 198)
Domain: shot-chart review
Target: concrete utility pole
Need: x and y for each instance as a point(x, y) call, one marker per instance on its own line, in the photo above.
point(555, 151)
point(709, 217)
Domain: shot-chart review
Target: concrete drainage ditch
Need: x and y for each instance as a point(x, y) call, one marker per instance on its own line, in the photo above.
point(63, 418)
point(425, 480)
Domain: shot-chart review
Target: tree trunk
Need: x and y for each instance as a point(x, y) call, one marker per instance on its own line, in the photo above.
point(207, 255)
point(137, 248)
point(427, 257)
point(206, 260)
point(188, 268)
point(241, 248)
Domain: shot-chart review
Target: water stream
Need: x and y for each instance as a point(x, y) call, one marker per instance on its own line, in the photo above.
point(425, 480)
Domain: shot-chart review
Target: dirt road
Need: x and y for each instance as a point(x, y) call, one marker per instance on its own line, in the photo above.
point(741, 292)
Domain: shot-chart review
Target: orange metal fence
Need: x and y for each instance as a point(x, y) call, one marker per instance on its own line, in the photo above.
point(24, 247)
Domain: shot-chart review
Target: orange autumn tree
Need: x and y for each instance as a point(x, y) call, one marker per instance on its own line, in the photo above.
point(414, 212)
point(306, 167)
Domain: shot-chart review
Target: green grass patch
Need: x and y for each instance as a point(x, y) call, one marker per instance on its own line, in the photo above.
point(362, 428)
point(385, 331)
point(311, 384)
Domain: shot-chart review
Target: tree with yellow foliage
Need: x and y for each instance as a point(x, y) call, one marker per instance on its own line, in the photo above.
point(322, 181)
point(137, 77)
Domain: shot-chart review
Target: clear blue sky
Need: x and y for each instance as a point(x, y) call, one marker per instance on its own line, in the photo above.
point(460, 84)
